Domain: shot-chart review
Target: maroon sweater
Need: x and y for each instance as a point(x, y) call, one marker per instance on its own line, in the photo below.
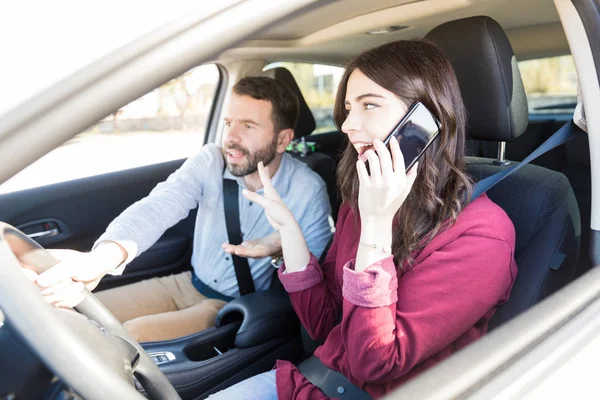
point(395, 325)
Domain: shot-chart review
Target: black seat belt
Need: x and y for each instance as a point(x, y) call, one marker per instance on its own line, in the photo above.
point(566, 133)
point(234, 233)
point(332, 383)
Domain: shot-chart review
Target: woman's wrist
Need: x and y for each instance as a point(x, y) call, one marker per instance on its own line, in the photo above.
point(375, 242)
point(376, 231)
point(295, 250)
point(289, 230)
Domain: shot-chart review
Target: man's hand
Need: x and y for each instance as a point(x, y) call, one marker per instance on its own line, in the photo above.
point(63, 284)
point(268, 246)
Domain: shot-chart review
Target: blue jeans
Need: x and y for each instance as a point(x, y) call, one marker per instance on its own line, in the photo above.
point(259, 387)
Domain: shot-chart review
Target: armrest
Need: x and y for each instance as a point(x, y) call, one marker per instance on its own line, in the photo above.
point(266, 315)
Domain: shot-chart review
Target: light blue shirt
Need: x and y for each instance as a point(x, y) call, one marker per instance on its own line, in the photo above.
point(199, 182)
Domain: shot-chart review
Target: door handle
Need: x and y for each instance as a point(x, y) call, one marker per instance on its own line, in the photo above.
point(44, 234)
point(42, 229)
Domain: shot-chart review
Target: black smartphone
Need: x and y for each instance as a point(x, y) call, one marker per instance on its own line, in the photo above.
point(415, 132)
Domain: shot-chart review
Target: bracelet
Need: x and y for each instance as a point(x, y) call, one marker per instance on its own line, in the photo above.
point(375, 246)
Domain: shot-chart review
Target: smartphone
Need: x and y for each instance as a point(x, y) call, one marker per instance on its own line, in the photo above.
point(415, 132)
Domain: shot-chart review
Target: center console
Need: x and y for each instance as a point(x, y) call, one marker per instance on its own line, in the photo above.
point(250, 334)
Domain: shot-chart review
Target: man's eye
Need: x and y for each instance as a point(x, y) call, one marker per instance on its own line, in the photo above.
point(248, 126)
point(228, 123)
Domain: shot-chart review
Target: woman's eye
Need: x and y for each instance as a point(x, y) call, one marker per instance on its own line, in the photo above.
point(370, 106)
point(228, 123)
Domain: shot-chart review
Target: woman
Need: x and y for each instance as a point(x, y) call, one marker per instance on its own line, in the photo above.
point(414, 273)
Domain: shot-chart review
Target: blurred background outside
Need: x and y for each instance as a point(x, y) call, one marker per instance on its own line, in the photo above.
point(169, 123)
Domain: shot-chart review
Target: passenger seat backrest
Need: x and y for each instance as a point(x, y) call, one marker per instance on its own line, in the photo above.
point(540, 202)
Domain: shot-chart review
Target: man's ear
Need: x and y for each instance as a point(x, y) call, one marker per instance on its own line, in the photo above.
point(284, 138)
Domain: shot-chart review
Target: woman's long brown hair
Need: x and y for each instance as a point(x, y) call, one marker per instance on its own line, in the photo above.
point(415, 70)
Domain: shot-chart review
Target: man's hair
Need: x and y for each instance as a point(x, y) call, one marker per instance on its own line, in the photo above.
point(283, 100)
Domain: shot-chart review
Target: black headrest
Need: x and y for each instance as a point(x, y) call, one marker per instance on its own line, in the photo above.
point(306, 121)
point(488, 76)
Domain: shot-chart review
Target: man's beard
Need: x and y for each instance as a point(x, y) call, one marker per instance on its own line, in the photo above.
point(250, 166)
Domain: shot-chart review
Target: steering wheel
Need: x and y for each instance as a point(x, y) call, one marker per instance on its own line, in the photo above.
point(89, 349)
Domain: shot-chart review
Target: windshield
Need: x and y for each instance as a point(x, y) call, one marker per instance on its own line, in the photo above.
point(44, 42)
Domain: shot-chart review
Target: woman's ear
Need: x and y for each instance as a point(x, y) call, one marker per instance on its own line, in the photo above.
point(284, 138)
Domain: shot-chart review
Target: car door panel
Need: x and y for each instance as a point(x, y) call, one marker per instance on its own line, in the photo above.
point(77, 212)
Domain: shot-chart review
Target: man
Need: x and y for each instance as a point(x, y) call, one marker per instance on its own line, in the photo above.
point(259, 126)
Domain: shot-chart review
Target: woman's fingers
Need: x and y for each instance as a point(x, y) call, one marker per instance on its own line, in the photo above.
point(385, 159)
point(374, 167)
point(265, 179)
point(412, 175)
point(264, 176)
point(397, 157)
point(257, 198)
point(269, 189)
point(363, 174)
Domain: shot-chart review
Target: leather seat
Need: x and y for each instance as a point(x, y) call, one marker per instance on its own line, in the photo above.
point(539, 201)
point(321, 163)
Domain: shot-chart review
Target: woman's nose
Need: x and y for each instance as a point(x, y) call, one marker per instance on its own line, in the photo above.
point(351, 124)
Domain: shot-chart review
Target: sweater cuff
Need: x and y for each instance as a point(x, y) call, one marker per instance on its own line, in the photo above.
point(376, 286)
point(301, 280)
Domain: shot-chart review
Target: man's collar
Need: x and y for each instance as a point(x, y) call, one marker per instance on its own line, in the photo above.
point(229, 175)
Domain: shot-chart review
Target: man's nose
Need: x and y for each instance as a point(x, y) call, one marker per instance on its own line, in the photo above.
point(232, 133)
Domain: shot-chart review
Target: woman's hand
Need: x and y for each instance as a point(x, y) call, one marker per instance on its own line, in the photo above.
point(277, 213)
point(382, 193)
point(293, 244)
point(380, 196)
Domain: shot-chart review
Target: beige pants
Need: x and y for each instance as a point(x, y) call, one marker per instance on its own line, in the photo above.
point(161, 308)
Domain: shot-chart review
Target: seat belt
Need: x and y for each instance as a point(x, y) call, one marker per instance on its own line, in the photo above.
point(566, 133)
point(234, 233)
point(330, 382)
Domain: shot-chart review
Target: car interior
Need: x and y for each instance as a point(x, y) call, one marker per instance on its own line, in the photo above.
point(549, 200)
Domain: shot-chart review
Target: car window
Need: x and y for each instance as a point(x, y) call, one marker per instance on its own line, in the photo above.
point(166, 124)
point(550, 84)
point(318, 84)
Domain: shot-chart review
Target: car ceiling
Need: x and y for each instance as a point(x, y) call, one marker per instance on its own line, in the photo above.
point(334, 31)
